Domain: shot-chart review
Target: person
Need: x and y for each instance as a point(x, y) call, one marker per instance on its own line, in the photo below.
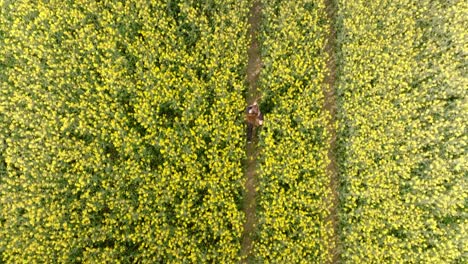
point(254, 118)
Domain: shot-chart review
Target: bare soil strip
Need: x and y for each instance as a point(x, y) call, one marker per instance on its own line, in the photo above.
point(253, 72)
point(331, 107)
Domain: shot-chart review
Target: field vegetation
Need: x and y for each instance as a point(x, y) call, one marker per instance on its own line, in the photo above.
point(403, 111)
point(122, 133)
point(294, 188)
point(121, 130)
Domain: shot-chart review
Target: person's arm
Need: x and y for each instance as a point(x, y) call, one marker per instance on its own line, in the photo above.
point(260, 119)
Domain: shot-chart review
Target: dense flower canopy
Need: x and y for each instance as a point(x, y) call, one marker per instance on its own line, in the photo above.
point(122, 134)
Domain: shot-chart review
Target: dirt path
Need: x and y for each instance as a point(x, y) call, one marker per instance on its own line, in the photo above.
point(253, 71)
point(331, 107)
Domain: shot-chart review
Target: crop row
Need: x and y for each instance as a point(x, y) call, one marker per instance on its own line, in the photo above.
point(121, 130)
point(294, 189)
point(402, 89)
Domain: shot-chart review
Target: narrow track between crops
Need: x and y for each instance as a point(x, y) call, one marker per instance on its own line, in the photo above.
point(330, 106)
point(253, 72)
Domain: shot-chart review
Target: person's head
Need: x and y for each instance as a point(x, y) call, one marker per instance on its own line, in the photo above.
point(253, 109)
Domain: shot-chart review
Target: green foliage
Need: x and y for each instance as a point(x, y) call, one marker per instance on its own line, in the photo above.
point(402, 86)
point(121, 130)
point(294, 210)
point(122, 135)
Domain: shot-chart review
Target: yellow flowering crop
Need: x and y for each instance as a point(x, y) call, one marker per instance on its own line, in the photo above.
point(293, 217)
point(402, 87)
point(121, 131)
point(122, 136)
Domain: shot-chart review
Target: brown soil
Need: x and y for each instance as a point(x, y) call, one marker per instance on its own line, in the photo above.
point(253, 72)
point(331, 107)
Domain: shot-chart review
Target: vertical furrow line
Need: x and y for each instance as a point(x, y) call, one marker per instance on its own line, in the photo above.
point(330, 106)
point(253, 72)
